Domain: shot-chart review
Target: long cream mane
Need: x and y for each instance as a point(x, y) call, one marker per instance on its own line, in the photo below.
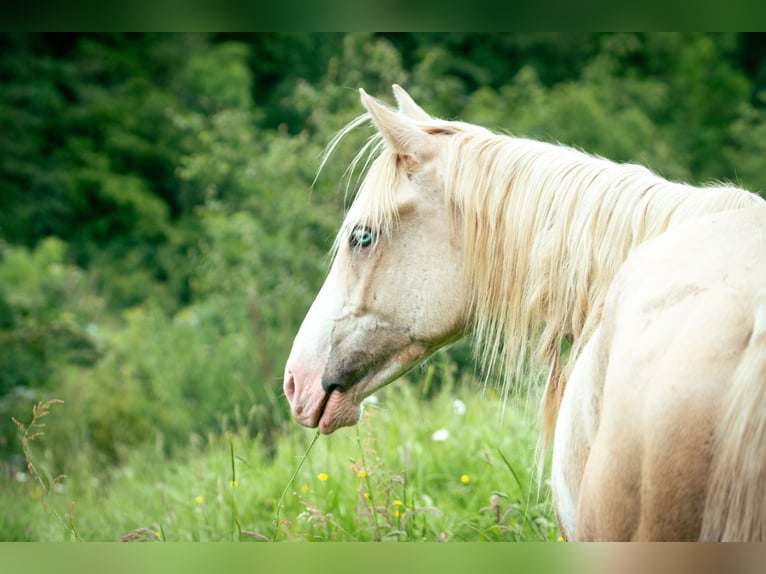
point(545, 229)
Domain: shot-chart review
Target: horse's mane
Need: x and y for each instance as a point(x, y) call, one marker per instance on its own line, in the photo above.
point(545, 229)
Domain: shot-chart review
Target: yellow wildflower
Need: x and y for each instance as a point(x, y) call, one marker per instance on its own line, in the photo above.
point(322, 476)
point(233, 483)
point(362, 474)
point(367, 496)
point(199, 500)
point(465, 479)
point(397, 502)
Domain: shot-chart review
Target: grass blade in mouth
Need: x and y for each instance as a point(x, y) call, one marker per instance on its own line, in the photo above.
point(290, 482)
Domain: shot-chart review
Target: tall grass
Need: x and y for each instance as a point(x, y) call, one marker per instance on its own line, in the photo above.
point(445, 469)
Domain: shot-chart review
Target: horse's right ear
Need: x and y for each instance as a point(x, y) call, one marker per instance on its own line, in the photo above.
point(400, 132)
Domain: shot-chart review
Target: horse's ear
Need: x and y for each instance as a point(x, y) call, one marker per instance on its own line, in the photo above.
point(400, 132)
point(407, 105)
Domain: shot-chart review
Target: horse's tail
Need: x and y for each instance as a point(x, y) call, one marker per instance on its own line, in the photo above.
point(736, 499)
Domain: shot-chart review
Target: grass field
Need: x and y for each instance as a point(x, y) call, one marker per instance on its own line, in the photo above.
point(452, 468)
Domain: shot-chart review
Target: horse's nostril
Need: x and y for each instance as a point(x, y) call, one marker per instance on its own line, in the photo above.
point(289, 387)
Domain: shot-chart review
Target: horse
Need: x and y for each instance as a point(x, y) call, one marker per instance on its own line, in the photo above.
point(643, 299)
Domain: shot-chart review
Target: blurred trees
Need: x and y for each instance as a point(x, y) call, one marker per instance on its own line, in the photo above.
point(159, 238)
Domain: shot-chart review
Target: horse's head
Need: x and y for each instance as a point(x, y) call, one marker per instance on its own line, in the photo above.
point(395, 292)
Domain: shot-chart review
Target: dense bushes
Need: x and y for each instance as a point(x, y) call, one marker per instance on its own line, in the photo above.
point(160, 240)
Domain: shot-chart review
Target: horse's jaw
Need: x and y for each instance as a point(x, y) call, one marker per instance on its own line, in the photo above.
point(328, 393)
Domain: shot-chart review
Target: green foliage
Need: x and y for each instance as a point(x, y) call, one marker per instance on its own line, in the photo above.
point(166, 378)
point(219, 79)
point(163, 231)
point(46, 320)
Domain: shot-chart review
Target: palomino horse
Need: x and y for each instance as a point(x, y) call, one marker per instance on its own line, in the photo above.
point(660, 287)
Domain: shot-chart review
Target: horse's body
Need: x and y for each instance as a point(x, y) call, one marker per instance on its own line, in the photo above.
point(639, 436)
point(660, 288)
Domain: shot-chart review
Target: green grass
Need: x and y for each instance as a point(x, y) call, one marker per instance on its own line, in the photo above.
point(385, 479)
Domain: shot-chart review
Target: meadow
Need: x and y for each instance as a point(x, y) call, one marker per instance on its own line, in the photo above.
point(163, 230)
point(454, 467)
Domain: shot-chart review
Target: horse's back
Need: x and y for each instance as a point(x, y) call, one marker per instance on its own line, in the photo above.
point(679, 316)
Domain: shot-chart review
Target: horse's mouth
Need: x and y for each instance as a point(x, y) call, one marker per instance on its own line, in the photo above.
point(340, 406)
point(325, 400)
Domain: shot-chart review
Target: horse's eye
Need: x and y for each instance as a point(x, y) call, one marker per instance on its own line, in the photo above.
point(361, 237)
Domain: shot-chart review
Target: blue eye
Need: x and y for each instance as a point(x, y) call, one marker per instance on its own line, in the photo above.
point(361, 237)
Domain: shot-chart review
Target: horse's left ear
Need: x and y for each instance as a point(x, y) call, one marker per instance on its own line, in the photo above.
point(400, 132)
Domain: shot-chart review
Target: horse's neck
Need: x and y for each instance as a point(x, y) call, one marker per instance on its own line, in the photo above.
point(600, 211)
point(571, 220)
point(545, 229)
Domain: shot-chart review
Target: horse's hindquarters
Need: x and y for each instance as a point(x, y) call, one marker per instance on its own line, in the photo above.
point(674, 328)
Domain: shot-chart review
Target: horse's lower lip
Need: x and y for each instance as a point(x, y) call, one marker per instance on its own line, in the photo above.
point(336, 411)
point(329, 424)
point(323, 406)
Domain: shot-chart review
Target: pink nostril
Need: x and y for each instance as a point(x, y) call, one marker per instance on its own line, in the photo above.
point(289, 387)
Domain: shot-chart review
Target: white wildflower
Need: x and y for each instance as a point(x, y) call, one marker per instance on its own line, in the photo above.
point(440, 436)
